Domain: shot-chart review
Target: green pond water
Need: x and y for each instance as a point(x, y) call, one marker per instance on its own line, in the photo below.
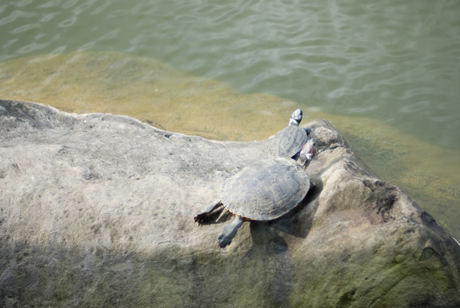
point(385, 73)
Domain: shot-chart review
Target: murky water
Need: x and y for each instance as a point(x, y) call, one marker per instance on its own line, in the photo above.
point(385, 73)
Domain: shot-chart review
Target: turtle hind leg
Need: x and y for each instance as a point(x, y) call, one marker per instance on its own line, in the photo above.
point(225, 211)
point(209, 212)
point(230, 231)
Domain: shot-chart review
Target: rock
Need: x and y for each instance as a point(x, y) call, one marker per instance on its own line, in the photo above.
point(97, 210)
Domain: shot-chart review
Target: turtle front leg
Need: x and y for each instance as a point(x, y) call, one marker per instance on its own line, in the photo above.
point(230, 231)
point(208, 211)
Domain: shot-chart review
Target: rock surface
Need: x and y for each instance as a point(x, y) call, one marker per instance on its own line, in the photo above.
point(97, 210)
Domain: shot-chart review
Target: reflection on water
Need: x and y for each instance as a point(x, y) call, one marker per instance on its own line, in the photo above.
point(158, 94)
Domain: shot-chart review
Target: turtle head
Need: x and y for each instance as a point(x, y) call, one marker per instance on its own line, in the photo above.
point(307, 153)
point(296, 117)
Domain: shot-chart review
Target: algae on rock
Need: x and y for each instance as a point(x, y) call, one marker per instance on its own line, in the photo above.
point(97, 210)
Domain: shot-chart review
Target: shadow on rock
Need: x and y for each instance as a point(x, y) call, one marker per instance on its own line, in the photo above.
point(270, 250)
point(299, 220)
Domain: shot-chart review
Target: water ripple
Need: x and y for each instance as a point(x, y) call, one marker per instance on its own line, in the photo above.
point(23, 3)
point(68, 22)
point(419, 106)
point(110, 35)
point(394, 60)
point(83, 7)
point(25, 28)
point(14, 15)
point(48, 17)
point(3, 8)
point(49, 4)
point(69, 3)
point(101, 8)
point(32, 47)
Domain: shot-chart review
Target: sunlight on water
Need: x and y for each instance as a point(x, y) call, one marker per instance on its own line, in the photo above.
point(396, 61)
point(164, 97)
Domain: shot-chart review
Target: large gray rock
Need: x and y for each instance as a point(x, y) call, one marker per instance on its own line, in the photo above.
point(97, 210)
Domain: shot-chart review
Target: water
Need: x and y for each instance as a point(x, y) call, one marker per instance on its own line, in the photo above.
point(397, 62)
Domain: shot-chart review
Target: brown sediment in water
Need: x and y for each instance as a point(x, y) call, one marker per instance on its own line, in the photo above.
point(84, 82)
point(145, 89)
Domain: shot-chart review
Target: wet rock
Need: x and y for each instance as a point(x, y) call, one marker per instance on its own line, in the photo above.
point(97, 210)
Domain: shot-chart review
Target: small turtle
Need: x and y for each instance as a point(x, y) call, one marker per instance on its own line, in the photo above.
point(262, 191)
point(289, 141)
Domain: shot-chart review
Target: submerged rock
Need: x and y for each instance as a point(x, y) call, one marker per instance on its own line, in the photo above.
point(97, 210)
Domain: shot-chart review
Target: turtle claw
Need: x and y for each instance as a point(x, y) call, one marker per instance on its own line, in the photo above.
point(202, 218)
point(230, 231)
point(209, 212)
point(224, 241)
point(199, 218)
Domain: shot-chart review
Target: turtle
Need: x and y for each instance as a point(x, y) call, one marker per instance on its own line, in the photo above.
point(289, 141)
point(263, 191)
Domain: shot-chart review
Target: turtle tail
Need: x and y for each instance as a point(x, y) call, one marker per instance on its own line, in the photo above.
point(230, 231)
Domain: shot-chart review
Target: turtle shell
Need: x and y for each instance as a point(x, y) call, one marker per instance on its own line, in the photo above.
point(288, 142)
point(266, 190)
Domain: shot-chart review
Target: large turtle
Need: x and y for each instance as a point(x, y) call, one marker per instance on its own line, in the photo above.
point(262, 191)
point(289, 141)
